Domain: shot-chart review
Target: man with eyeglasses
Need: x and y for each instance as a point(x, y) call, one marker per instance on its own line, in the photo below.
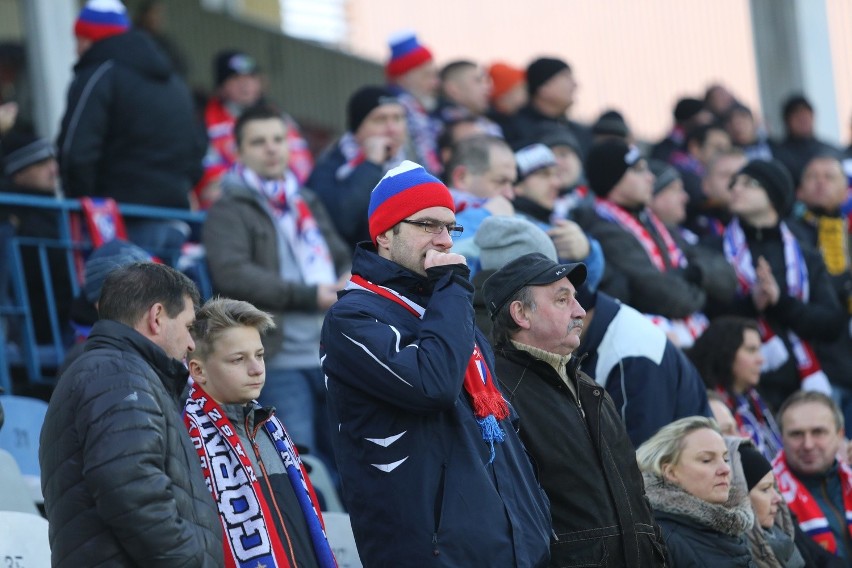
point(432, 469)
point(271, 243)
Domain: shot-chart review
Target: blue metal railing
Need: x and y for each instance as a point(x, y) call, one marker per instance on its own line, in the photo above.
point(17, 328)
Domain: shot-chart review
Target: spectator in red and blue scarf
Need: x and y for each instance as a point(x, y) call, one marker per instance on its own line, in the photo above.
point(729, 359)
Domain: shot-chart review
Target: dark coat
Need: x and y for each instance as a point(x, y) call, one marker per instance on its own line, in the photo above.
point(129, 129)
point(346, 200)
point(416, 473)
point(674, 293)
point(241, 239)
point(527, 125)
point(122, 483)
point(835, 355)
point(699, 534)
point(650, 380)
point(820, 319)
point(586, 464)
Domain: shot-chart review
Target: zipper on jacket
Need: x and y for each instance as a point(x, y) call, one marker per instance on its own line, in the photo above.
point(439, 508)
point(830, 503)
point(251, 434)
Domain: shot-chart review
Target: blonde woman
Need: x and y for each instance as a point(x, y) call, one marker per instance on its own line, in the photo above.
point(687, 473)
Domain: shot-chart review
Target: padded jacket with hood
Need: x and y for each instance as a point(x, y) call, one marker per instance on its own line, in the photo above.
point(129, 129)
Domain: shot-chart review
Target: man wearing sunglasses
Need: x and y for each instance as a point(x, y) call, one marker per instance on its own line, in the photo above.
point(432, 469)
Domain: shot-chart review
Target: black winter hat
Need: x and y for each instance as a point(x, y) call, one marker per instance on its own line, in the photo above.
point(611, 123)
point(541, 71)
point(232, 62)
point(364, 101)
point(686, 109)
point(664, 174)
point(20, 150)
point(607, 163)
point(775, 179)
point(755, 466)
point(793, 103)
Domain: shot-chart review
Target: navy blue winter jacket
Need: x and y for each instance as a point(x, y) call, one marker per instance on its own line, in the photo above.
point(650, 380)
point(414, 468)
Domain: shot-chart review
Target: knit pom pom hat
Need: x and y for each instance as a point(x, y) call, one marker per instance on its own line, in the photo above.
point(406, 54)
point(406, 189)
point(100, 19)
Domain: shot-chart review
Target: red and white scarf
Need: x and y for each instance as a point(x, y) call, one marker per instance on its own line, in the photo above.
point(774, 351)
point(422, 131)
point(618, 215)
point(684, 331)
point(812, 519)
point(489, 406)
point(297, 224)
point(354, 156)
point(250, 536)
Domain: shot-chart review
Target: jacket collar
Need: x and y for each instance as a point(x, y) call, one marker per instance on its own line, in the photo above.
point(369, 265)
point(733, 518)
point(606, 307)
point(115, 335)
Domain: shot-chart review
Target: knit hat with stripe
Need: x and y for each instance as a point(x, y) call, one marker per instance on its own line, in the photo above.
point(100, 19)
point(406, 189)
point(406, 54)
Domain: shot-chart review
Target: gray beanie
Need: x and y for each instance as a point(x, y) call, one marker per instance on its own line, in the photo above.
point(502, 239)
point(105, 259)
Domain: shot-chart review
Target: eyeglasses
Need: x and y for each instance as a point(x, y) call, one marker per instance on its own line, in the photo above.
point(436, 227)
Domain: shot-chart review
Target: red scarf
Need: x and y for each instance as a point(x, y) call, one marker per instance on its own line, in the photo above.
point(811, 518)
point(618, 215)
point(687, 329)
point(489, 406)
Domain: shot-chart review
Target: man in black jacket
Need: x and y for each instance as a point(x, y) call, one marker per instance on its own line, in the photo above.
point(568, 423)
point(122, 483)
point(129, 131)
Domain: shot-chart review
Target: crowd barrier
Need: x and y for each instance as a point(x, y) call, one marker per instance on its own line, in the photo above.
point(22, 356)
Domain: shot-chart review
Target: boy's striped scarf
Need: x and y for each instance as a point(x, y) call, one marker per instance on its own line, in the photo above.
point(250, 535)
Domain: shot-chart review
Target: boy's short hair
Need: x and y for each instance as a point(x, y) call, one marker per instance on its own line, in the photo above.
point(220, 314)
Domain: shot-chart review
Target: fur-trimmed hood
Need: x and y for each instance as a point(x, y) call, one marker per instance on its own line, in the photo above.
point(733, 518)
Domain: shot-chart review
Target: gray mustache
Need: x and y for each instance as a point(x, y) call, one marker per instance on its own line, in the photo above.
point(576, 323)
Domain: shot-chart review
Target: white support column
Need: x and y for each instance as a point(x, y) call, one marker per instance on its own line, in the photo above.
point(817, 70)
point(51, 55)
point(793, 54)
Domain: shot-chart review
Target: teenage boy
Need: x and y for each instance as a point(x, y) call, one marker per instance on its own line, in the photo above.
point(267, 505)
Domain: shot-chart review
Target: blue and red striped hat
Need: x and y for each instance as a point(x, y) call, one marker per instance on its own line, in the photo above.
point(406, 189)
point(406, 54)
point(100, 19)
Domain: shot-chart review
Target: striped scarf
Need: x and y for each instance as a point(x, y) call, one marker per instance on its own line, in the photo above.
point(296, 222)
point(811, 518)
point(422, 130)
point(774, 351)
point(250, 537)
point(354, 156)
point(489, 406)
point(683, 331)
point(754, 420)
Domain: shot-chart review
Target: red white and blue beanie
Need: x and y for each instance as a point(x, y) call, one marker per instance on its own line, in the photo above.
point(100, 19)
point(406, 54)
point(406, 189)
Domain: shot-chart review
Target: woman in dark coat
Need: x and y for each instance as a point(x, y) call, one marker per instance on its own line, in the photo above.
point(688, 482)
